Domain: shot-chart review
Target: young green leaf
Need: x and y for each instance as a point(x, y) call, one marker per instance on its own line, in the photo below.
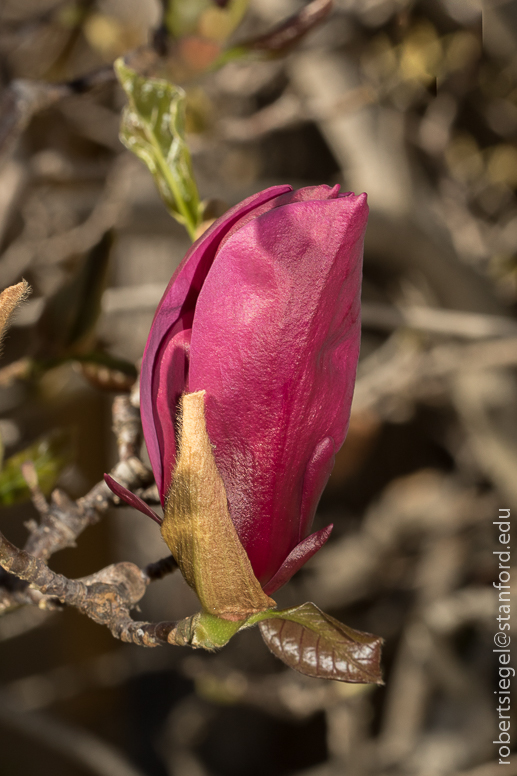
point(317, 645)
point(49, 455)
point(153, 129)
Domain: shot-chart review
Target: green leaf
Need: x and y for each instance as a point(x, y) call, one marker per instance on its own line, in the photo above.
point(153, 129)
point(49, 456)
point(317, 645)
point(303, 637)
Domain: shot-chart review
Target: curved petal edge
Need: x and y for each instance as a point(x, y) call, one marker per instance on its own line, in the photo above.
point(130, 498)
point(297, 558)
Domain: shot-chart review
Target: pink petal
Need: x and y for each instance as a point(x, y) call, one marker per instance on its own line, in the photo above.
point(130, 498)
point(175, 313)
point(171, 380)
point(316, 476)
point(297, 558)
point(275, 343)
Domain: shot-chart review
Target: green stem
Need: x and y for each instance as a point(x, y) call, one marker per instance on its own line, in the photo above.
point(268, 614)
point(190, 226)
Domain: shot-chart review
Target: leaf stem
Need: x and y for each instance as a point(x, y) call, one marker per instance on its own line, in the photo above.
point(190, 225)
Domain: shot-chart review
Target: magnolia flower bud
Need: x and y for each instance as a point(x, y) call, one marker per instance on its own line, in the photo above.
point(260, 322)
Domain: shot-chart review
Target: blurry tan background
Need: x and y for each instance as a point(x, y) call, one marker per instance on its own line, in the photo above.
point(416, 104)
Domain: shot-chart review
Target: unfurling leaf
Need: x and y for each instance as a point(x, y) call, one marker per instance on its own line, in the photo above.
point(317, 645)
point(49, 455)
point(153, 129)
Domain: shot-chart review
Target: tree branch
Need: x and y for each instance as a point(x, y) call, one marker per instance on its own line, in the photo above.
point(108, 596)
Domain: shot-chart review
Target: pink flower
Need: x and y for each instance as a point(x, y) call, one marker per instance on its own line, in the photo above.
point(263, 314)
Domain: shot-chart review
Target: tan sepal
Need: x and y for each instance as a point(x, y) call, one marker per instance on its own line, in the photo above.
point(198, 529)
point(10, 298)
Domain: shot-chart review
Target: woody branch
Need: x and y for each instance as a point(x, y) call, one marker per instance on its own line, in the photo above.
point(109, 595)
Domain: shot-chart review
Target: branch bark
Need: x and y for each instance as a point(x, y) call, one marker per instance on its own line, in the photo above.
point(108, 596)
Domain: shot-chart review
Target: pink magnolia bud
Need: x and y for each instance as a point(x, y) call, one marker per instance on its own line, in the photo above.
point(263, 315)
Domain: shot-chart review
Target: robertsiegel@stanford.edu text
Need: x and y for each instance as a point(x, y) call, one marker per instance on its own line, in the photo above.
point(502, 638)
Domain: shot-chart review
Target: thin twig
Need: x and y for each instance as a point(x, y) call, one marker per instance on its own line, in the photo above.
point(109, 595)
point(106, 597)
point(161, 568)
point(30, 476)
point(454, 323)
point(63, 520)
point(23, 251)
point(405, 369)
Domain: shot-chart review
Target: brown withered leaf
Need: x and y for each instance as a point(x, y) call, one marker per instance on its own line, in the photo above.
point(198, 529)
point(316, 644)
